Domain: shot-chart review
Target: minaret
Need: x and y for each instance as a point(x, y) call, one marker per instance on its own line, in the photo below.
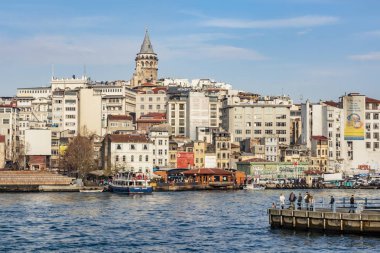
point(146, 64)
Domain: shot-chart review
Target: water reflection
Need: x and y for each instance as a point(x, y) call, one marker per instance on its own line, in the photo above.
point(175, 221)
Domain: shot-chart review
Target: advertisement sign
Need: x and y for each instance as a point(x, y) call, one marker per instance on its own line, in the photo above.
point(354, 122)
point(185, 160)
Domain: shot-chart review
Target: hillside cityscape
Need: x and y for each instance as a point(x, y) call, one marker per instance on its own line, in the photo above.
point(149, 123)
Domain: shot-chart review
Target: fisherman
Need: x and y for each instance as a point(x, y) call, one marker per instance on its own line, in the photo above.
point(307, 200)
point(282, 201)
point(332, 202)
point(299, 201)
point(352, 204)
point(292, 199)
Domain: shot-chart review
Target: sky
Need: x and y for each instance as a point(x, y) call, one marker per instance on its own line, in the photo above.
point(308, 49)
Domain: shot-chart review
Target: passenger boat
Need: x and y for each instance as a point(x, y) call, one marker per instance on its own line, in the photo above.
point(131, 183)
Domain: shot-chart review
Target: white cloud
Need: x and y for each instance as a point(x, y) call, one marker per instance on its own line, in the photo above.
point(374, 33)
point(46, 49)
point(304, 32)
point(372, 56)
point(205, 46)
point(296, 22)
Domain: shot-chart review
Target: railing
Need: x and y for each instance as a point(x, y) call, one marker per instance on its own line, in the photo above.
point(343, 203)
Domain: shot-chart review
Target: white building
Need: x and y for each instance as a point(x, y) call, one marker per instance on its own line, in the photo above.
point(159, 136)
point(131, 152)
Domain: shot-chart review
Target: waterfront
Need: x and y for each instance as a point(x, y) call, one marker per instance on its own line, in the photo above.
point(207, 221)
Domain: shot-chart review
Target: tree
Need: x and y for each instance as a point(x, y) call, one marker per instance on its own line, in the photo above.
point(79, 156)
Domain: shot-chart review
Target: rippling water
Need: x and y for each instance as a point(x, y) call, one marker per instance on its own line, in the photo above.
point(234, 221)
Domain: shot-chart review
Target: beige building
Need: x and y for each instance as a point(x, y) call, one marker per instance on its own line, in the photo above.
point(221, 141)
point(151, 100)
point(177, 114)
point(319, 154)
point(9, 128)
point(199, 154)
point(90, 106)
point(146, 64)
point(267, 116)
point(119, 123)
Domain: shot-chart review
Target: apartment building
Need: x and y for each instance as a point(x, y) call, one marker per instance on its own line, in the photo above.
point(159, 136)
point(222, 143)
point(151, 100)
point(255, 119)
point(129, 152)
point(9, 128)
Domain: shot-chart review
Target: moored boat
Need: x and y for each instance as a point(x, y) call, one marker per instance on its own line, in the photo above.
point(130, 183)
point(252, 186)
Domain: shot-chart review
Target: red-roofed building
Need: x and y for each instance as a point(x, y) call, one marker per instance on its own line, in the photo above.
point(210, 176)
point(147, 121)
point(132, 152)
point(119, 123)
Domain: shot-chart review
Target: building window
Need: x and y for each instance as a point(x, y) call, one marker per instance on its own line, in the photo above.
point(118, 147)
point(146, 158)
point(368, 145)
point(132, 147)
point(238, 131)
point(140, 158)
point(123, 158)
point(117, 158)
point(247, 131)
point(132, 158)
point(145, 147)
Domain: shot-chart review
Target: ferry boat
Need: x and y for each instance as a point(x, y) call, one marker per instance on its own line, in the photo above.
point(131, 183)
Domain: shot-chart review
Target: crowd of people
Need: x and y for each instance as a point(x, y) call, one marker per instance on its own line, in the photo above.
point(308, 202)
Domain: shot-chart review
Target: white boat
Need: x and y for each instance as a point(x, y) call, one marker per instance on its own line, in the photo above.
point(91, 190)
point(130, 183)
point(253, 186)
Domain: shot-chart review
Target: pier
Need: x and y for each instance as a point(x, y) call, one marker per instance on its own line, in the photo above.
point(327, 218)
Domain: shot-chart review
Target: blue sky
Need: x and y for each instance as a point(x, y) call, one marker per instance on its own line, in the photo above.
point(316, 49)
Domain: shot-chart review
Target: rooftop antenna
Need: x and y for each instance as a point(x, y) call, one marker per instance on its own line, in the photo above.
point(52, 72)
point(84, 71)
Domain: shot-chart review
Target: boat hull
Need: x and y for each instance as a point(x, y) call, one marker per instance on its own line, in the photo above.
point(130, 190)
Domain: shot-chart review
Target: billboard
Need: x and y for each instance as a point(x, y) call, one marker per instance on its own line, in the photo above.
point(38, 142)
point(354, 107)
point(185, 160)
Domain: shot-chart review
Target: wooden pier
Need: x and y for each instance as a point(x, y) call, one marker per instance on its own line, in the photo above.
point(366, 222)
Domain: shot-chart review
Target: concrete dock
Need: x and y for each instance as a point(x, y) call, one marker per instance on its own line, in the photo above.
point(342, 222)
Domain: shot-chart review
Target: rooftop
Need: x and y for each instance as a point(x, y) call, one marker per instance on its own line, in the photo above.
point(128, 138)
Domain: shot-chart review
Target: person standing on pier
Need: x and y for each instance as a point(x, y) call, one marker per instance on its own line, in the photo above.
point(299, 201)
point(332, 202)
point(292, 199)
point(307, 200)
point(282, 201)
point(352, 204)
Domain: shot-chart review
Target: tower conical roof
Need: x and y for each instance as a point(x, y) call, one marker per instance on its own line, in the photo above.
point(146, 47)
